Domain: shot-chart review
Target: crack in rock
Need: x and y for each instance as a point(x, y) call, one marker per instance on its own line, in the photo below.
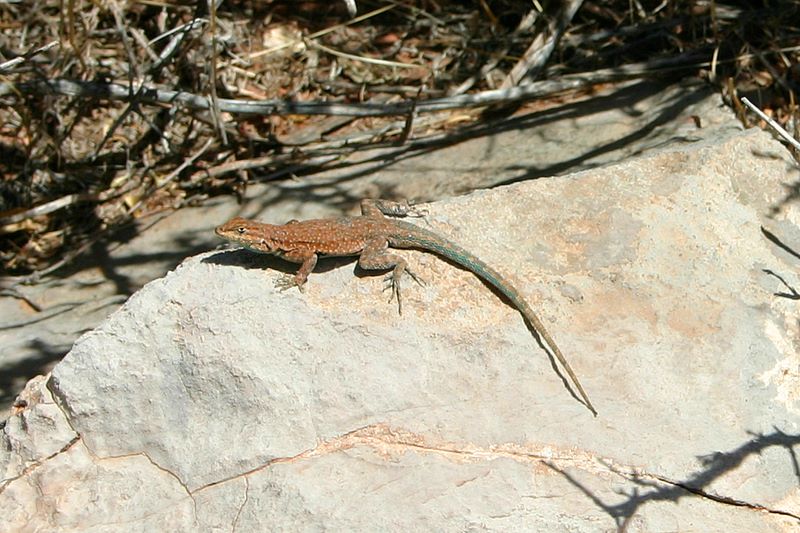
point(241, 507)
point(176, 478)
point(36, 464)
point(387, 441)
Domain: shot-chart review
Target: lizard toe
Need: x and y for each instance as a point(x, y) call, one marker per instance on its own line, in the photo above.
point(419, 280)
point(286, 283)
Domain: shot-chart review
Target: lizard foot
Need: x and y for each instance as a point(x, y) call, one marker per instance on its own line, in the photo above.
point(415, 212)
point(393, 282)
point(287, 282)
point(394, 209)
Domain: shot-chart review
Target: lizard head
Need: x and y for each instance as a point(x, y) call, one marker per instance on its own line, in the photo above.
point(248, 233)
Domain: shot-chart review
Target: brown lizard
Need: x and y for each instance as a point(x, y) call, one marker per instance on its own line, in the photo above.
point(369, 236)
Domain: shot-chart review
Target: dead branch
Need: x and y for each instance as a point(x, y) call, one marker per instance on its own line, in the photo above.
point(151, 95)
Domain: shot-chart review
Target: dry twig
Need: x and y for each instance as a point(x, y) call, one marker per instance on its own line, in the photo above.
point(542, 47)
point(774, 125)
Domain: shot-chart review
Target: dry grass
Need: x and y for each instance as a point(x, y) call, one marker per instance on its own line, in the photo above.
point(146, 106)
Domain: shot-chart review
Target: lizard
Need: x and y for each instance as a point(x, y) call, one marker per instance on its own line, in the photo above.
point(369, 236)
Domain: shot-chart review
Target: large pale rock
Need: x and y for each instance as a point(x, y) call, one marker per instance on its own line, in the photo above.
point(545, 138)
point(213, 401)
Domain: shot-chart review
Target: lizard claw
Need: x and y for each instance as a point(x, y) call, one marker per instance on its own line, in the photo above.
point(393, 284)
point(286, 283)
point(420, 281)
point(398, 209)
point(409, 210)
point(417, 213)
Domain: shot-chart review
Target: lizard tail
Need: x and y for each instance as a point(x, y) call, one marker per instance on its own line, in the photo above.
point(416, 237)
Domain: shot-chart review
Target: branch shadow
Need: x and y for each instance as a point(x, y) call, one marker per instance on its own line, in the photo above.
point(15, 374)
point(653, 488)
point(625, 98)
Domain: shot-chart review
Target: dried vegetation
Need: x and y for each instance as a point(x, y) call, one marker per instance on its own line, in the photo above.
point(113, 111)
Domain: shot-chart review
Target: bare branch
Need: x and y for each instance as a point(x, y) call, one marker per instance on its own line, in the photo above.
point(112, 91)
point(774, 125)
point(11, 63)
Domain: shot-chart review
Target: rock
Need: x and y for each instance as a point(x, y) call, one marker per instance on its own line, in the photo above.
point(213, 400)
point(604, 127)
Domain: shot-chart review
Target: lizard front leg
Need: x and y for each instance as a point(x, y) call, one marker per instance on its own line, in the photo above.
point(375, 257)
point(307, 260)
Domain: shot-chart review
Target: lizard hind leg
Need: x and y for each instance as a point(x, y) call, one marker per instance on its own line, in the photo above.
point(375, 257)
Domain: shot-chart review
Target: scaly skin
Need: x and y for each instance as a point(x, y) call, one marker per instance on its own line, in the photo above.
point(369, 236)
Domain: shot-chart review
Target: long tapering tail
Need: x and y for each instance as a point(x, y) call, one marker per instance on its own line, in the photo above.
point(412, 236)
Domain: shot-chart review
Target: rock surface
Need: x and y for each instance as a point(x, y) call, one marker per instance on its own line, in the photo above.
point(213, 401)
